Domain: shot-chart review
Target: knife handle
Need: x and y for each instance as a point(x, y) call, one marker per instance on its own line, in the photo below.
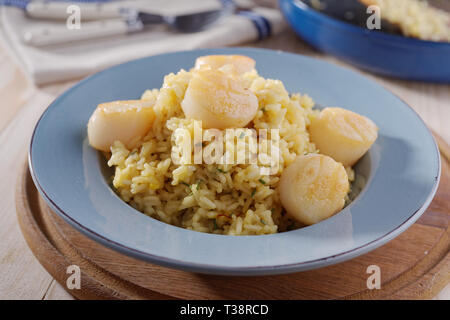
point(88, 30)
point(59, 10)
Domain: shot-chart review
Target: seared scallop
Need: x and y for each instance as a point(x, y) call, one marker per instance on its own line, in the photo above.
point(219, 100)
point(124, 121)
point(342, 134)
point(313, 188)
point(242, 64)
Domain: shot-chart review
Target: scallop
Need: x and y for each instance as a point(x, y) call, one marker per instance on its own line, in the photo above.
point(342, 134)
point(124, 121)
point(219, 100)
point(313, 188)
point(242, 64)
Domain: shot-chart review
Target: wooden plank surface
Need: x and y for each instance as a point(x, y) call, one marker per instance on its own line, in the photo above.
point(21, 276)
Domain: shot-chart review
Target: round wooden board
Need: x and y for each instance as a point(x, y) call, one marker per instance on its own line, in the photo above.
point(415, 265)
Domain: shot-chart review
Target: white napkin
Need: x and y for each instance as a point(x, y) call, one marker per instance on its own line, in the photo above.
point(74, 60)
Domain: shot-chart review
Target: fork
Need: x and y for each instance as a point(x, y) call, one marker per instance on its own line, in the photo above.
point(131, 21)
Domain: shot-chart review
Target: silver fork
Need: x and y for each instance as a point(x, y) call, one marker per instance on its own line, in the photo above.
point(131, 21)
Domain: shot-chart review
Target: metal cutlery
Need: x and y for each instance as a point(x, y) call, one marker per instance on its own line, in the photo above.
point(129, 21)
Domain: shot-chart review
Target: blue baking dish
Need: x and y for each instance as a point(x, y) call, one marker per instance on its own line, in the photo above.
point(379, 52)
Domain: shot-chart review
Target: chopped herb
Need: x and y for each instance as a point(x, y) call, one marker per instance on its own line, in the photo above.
point(263, 222)
point(262, 181)
point(220, 170)
point(215, 225)
point(263, 109)
point(186, 184)
point(198, 183)
point(241, 135)
point(253, 192)
point(134, 152)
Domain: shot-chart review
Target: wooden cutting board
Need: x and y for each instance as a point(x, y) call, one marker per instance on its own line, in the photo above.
point(415, 265)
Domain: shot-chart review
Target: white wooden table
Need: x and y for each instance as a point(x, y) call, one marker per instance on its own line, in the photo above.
point(21, 275)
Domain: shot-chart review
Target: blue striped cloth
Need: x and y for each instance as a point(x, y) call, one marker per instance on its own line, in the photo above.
point(261, 24)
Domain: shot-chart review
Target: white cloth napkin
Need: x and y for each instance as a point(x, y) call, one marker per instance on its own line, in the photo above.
point(74, 60)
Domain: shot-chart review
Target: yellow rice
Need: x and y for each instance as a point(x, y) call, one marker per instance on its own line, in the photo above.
point(221, 199)
point(415, 18)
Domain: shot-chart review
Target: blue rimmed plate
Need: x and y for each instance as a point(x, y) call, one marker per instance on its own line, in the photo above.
point(402, 171)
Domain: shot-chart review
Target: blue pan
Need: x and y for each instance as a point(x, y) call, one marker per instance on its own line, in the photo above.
point(379, 52)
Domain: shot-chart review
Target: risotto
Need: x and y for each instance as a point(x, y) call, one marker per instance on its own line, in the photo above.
point(224, 197)
point(415, 18)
